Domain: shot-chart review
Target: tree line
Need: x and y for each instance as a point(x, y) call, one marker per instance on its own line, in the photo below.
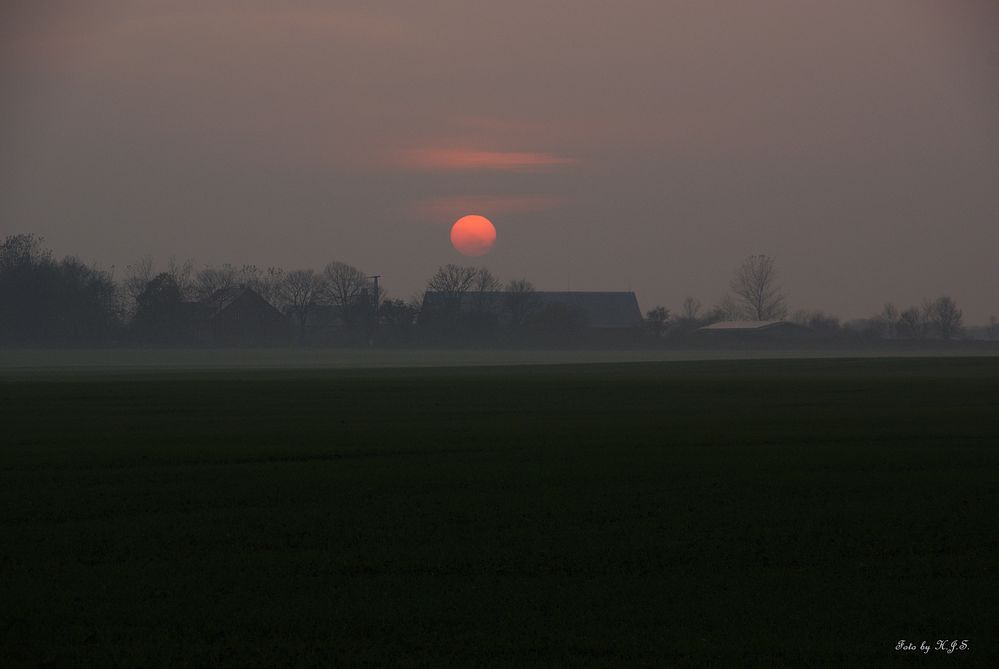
point(49, 301)
point(757, 295)
point(45, 301)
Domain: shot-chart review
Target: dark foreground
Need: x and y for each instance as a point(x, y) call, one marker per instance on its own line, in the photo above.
point(748, 513)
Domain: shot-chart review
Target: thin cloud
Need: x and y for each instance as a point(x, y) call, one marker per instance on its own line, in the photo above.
point(446, 159)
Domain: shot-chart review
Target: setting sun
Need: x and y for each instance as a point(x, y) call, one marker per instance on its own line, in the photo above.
point(473, 235)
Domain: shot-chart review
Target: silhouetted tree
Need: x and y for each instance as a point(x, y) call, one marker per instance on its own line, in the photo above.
point(690, 310)
point(211, 280)
point(726, 310)
point(485, 281)
point(755, 286)
point(344, 284)
point(889, 321)
point(347, 289)
point(946, 318)
point(688, 319)
point(453, 280)
point(268, 283)
point(136, 277)
point(521, 302)
point(301, 291)
point(657, 322)
point(819, 322)
point(913, 323)
point(83, 304)
point(23, 252)
point(183, 275)
point(47, 302)
point(864, 330)
point(397, 321)
point(483, 314)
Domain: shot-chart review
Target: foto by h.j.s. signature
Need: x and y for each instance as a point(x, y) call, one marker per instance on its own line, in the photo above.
point(940, 645)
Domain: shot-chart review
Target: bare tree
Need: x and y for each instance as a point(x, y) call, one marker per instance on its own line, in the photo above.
point(889, 321)
point(344, 284)
point(452, 279)
point(181, 273)
point(137, 275)
point(755, 286)
point(818, 321)
point(690, 310)
point(54, 302)
point(946, 317)
point(657, 321)
point(993, 328)
point(689, 317)
point(483, 287)
point(301, 291)
point(726, 310)
point(520, 286)
point(25, 250)
point(267, 283)
point(521, 302)
point(210, 280)
point(134, 281)
point(913, 323)
point(348, 289)
point(927, 312)
point(485, 281)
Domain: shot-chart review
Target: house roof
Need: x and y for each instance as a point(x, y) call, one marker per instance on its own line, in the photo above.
point(222, 299)
point(744, 325)
point(602, 309)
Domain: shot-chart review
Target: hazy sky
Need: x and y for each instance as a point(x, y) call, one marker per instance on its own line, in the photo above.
point(616, 145)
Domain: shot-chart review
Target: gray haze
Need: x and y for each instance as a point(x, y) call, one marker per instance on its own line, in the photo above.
point(643, 145)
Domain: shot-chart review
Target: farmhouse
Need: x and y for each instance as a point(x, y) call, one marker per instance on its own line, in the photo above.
point(755, 331)
point(593, 317)
point(606, 311)
point(236, 316)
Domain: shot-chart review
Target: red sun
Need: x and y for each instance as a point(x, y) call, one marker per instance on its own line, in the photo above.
point(473, 235)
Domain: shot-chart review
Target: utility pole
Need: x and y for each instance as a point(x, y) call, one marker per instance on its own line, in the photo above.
point(374, 277)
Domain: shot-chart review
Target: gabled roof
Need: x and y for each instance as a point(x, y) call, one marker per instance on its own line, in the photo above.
point(744, 325)
point(222, 299)
point(602, 309)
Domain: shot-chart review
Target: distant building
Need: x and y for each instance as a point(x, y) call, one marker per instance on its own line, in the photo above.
point(755, 331)
point(587, 317)
point(237, 316)
point(603, 310)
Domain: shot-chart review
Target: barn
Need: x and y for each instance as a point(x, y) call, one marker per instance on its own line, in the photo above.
point(237, 316)
point(594, 317)
point(755, 331)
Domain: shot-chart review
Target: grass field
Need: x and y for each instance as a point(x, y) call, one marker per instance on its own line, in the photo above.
point(717, 513)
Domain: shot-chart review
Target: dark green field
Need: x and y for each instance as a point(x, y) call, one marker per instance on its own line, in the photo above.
point(731, 513)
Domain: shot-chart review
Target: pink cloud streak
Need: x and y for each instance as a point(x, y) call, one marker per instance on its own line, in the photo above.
point(472, 159)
